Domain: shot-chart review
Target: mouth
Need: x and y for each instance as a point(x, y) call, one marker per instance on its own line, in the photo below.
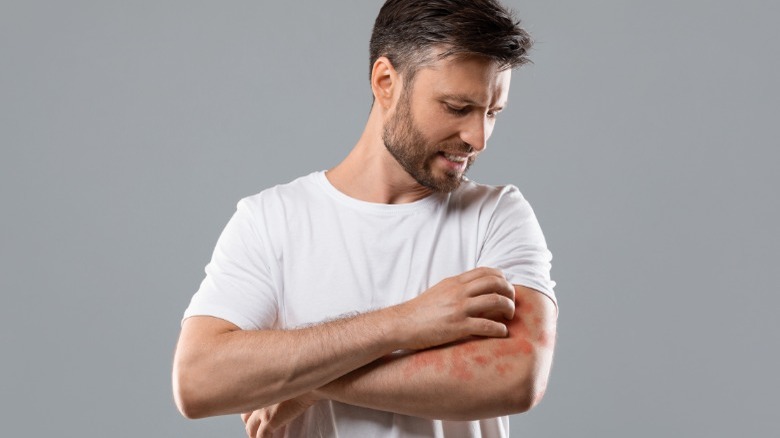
point(454, 162)
point(455, 158)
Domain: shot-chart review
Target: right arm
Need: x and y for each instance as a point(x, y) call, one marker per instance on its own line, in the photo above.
point(220, 369)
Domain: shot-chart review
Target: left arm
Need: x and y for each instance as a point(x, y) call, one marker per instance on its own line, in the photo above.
point(473, 379)
point(468, 380)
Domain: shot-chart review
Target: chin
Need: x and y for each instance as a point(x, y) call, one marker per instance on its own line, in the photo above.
point(443, 185)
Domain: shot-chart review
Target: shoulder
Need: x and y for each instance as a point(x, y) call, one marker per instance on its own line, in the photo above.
point(488, 198)
point(268, 214)
point(277, 198)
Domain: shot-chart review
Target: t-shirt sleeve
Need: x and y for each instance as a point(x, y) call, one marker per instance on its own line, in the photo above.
point(514, 243)
point(239, 286)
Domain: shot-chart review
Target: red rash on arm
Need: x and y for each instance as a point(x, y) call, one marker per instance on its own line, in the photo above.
point(423, 359)
point(502, 368)
point(488, 376)
point(460, 360)
point(459, 356)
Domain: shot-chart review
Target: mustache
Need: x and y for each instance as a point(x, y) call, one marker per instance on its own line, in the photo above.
point(458, 146)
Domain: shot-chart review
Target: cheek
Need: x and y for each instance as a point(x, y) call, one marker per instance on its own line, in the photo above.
point(439, 134)
point(435, 129)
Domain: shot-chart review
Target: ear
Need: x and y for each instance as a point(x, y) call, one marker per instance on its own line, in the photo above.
point(385, 82)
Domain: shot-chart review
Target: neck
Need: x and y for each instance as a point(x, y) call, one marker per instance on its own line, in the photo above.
point(369, 173)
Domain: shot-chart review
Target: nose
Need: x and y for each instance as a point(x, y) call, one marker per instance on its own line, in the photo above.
point(476, 132)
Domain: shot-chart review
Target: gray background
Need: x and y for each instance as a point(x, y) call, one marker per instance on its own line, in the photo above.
point(644, 136)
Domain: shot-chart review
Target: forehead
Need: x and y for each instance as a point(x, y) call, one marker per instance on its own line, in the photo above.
point(476, 79)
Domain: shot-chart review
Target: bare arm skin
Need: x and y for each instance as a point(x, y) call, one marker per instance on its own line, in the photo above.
point(468, 380)
point(220, 369)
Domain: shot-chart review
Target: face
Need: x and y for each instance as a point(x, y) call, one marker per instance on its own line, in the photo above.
point(444, 119)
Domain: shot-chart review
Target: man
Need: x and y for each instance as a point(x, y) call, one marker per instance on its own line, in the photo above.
point(388, 296)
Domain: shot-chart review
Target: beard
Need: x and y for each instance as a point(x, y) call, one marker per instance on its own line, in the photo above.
point(408, 145)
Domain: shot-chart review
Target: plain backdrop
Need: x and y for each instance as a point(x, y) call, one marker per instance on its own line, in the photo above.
point(645, 135)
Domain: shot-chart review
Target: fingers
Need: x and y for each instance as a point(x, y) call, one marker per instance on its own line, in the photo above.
point(478, 273)
point(253, 422)
point(448, 311)
point(490, 284)
point(491, 296)
point(263, 422)
point(491, 306)
point(487, 328)
point(287, 411)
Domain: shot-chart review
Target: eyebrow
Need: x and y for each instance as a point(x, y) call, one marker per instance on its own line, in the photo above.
point(462, 98)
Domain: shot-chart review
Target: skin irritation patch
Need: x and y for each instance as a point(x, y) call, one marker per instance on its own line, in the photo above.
point(425, 359)
point(519, 334)
point(464, 357)
point(503, 368)
point(459, 367)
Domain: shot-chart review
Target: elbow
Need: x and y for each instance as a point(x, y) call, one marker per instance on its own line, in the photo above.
point(188, 399)
point(528, 392)
point(188, 407)
point(186, 403)
point(191, 411)
point(531, 383)
point(526, 399)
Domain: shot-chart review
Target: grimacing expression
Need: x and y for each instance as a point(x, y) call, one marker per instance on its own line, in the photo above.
point(414, 152)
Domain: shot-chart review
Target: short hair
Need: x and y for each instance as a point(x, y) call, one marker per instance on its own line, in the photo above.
point(414, 33)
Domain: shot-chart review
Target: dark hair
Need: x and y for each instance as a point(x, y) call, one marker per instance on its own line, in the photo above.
point(413, 33)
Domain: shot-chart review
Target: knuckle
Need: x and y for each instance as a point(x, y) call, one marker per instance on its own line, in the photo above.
point(495, 283)
point(485, 326)
point(484, 270)
point(459, 279)
point(507, 287)
point(491, 271)
point(507, 302)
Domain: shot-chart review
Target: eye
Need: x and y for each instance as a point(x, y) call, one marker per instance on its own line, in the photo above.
point(458, 111)
point(491, 114)
point(494, 112)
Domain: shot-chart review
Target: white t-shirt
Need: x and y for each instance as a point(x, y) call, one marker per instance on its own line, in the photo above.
point(304, 252)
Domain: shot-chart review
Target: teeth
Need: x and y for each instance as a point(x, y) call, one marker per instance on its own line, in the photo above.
point(455, 158)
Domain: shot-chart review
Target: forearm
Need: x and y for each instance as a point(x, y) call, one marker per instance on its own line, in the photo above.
point(479, 378)
point(237, 371)
point(219, 369)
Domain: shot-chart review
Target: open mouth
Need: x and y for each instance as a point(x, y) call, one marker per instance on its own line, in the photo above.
point(455, 158)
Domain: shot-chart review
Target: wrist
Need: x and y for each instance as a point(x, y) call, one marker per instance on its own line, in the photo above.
point(394, 328)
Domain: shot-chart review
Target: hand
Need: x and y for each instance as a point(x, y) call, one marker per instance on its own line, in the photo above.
point(262, 423)
point(469, 304)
